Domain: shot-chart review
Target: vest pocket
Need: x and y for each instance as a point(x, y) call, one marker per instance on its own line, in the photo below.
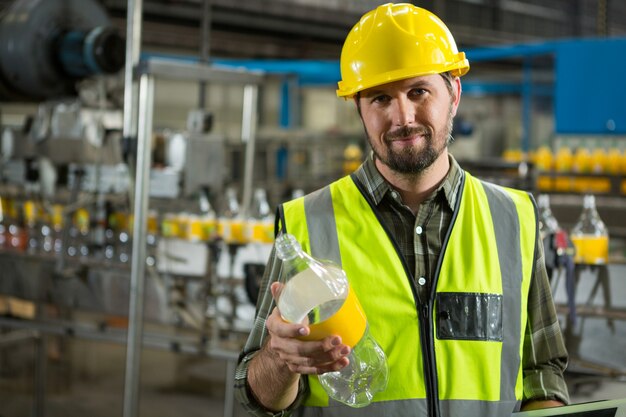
point(469, 316)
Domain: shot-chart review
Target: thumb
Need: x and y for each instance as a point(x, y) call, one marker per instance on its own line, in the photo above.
point(276, 289)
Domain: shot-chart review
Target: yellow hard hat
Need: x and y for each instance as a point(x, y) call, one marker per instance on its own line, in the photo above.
point(394, 42)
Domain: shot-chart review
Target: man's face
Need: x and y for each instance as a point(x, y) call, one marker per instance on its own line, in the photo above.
point(408, 122)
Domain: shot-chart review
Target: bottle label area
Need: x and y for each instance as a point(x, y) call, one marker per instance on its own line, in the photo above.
point(591, 249)
point(306, 299)
point(349, 322)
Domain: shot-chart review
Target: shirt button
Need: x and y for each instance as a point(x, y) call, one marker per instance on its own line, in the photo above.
point(421, 281)
point(394, 194)
point(418, 230)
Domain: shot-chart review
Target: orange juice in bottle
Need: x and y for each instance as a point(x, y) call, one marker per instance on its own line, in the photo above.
point(590, 235)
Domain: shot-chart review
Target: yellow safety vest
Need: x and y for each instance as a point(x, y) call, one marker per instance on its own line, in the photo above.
point(459, 353)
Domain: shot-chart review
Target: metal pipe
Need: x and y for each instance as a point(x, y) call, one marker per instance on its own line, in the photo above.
point(602, 27)
point(194, 345)
point(229, 392)
point(133, 45)
point(17, 336)
point(248, 133)
point(138, 264)
point(205, 47)
point(527, 102)
point(134, 13)
point(41, 376)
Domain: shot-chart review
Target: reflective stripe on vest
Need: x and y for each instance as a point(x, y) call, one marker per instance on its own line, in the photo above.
point(337, 223)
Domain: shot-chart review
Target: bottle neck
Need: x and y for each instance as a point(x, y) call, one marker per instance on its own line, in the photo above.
point(589, 202)
point(287, 247)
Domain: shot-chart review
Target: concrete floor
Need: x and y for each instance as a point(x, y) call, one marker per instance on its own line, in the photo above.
point(92, 384)
point(182, 385)
point(87, 378)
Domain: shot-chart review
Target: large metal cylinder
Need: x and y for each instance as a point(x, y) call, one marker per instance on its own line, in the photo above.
point(47, 45)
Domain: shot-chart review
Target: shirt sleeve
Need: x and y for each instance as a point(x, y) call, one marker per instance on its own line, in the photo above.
point(256, 339)
point(544, 356)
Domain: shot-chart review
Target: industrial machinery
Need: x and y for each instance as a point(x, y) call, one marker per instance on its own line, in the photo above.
point(66, 188)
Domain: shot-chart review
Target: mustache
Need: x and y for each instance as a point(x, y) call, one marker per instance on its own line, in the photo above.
point(406, 131)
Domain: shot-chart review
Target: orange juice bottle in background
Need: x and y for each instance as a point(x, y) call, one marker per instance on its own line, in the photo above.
point(563, 164)
point(231, 225)
point(581, 160)
point(544, 161)
point(58, 222)
point(581, 164)
point(600, 166)
point(513, 155)
point(613, 161)
point(152, 226)
point(590, 235)
point(30, 222)
point(196, 230)
point(599, 161)
point(352, 158)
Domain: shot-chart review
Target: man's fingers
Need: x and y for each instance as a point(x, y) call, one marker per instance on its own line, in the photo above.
point(310, 357)
point(319, 369)
point(279, 327)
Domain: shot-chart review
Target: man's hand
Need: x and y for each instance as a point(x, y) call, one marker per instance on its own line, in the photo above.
point(304, 357)
point(539, 404)
point(274, 372)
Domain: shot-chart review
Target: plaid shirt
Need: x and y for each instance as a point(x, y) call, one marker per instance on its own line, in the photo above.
point(544, 355)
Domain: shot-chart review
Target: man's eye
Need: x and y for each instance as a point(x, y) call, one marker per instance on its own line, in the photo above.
point(380, 99)
point(417, 92)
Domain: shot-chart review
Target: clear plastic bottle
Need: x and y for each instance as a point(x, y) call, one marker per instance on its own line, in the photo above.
point(152, 237)
point(58, 222)
point(3, 216)
point(208, 215)
point(30, 218)
point(318, 294)
point(590, 235)
point(548, 225)
point(110, 233)
point(260, 228)
point(231, 224)
point(98, 226)
point(124, 237)
point(82, 219)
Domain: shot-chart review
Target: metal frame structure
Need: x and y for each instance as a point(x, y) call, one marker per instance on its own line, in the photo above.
point(148, 72)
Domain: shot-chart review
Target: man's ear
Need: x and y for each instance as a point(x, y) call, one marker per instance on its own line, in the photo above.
point(357, 102)
point(456, 89)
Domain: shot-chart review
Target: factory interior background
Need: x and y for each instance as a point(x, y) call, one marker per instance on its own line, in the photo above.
point(199, 117)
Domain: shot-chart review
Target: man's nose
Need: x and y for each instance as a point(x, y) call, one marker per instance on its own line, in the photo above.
point(404, 112)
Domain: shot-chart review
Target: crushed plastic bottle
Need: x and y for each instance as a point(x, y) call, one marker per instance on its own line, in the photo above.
point(590, 235)
point(318, 294)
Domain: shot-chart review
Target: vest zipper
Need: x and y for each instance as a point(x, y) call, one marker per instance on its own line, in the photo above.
point(430, 367)
point(428, 333)
point(428, 345)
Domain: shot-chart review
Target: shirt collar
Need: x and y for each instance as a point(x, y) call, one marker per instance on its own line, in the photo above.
point(377, 186)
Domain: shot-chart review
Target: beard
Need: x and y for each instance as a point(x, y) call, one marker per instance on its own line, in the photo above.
point(409, 160)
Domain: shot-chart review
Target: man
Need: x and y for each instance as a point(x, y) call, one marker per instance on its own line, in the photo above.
point(448, 269)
